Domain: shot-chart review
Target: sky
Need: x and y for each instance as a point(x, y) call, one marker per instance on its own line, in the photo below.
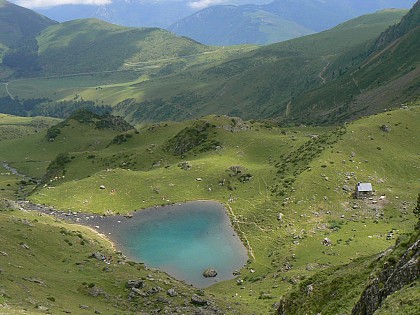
point(50, 3)
point(195, 4)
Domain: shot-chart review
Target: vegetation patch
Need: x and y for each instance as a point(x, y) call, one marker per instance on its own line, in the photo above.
point(198, 137)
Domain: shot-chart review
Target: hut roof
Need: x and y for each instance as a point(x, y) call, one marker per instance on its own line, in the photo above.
point(364, 187)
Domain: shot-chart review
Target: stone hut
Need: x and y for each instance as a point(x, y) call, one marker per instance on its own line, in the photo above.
point(364, 190)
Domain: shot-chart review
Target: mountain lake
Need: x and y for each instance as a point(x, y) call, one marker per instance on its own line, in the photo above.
point(182, 240)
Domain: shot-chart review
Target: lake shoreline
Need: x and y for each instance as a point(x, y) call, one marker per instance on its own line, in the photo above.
point(108, 226)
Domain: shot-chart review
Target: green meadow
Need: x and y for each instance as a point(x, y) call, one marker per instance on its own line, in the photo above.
point(306, 174)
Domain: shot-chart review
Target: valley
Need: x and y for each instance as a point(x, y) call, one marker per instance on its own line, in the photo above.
point(102, 121)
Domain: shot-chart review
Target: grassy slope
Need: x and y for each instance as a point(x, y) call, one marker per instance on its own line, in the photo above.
point(387, 79)
point(294, 66)
point(315, 205)
point(403, 302)
point(336, 290)
point(224, 80)
point(91, 45)
point(17, 22)
point(256, 84)
point(12, 127)
point(54, 274)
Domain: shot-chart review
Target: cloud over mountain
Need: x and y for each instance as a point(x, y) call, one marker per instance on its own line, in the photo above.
point(52, 3)
point(202, 4)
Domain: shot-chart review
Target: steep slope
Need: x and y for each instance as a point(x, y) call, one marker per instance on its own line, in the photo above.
point(17, 23)
point(262, 82)
point(232, 25)
point(383, 276)
point(383, 74)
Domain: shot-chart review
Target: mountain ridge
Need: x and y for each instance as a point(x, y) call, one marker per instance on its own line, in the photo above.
point(303, 17)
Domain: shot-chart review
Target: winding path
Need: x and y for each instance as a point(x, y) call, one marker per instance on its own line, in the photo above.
point(7, 90)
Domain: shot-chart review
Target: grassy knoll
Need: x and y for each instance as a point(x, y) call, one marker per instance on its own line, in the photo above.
point(259, 171)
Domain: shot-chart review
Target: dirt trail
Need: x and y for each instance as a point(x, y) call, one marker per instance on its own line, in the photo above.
point(235, 220)
point(321, 74)
point(7, 90)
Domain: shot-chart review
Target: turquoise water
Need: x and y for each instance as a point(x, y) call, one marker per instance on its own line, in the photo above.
point(183, 240)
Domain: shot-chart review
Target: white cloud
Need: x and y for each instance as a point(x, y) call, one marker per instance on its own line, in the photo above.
point(52, 3)
point(202, 4)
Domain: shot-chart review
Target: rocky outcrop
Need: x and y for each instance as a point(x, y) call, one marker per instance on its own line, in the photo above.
point(389, 280)
point(198, 300)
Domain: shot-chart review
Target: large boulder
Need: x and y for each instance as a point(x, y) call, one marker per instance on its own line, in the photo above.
point(198, 300)
point(209, 273)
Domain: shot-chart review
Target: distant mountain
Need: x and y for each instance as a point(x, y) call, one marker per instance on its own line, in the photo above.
point(232, 25)
point(319, 15)
point(17, 23)
point(124, 12)
point(32, 44)
point(138, 13)
point(277, 21)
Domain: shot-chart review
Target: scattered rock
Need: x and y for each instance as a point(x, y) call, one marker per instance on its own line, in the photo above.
point(154, 290)
point(34, 280)
point(135, 293)
point(171, 292)
point(135, 284)
point(4, 253)
point(42, 308)
point(326, 242)
point(385, 128)
point(209, 273)
point(309, 289)
point(280, 217)
point(25, 246)
point(185, 166)
point(96, 291)
point(347, 188)
point(102, 187)
point(236, 169)
point(265, 296)
point(84, 307)
point(198, 179)
point(97, 255)
point(197, 300)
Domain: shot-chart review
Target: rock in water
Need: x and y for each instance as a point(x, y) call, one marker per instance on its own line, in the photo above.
point(210, 273)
